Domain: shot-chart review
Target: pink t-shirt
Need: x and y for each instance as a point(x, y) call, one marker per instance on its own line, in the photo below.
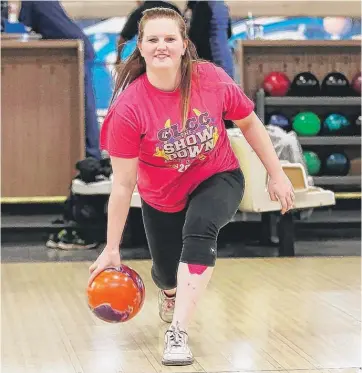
point(145, 122)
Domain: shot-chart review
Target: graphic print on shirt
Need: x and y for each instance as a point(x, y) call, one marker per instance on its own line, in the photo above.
point(180, 147)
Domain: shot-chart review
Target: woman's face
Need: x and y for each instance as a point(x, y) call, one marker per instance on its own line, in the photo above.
point(162, 46)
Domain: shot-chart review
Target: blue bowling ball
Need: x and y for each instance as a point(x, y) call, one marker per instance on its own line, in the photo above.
point(337, 164)
point(335, 124)
point(281, 121)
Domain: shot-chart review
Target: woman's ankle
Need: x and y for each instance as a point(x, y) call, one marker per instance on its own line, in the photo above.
point(170, 293)
point(180, 325)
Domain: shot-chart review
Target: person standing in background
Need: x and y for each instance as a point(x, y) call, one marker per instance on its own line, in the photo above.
point(130, 29)
point(49, 19)
point(209, 30)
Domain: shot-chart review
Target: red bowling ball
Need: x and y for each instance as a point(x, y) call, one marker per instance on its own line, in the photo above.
point(356, 83)
point(276, 84)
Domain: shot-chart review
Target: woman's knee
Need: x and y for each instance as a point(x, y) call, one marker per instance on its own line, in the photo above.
point(199, 250)
point(199, 241)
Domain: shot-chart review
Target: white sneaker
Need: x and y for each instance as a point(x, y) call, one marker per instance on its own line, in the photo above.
point(177, 351)
point(166, 306)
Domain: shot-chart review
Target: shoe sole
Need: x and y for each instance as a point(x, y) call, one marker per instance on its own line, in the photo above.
point(177, 363)
point(51, 244)
point(64, 246)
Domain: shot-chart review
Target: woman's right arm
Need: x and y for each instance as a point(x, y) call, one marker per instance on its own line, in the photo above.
point(124, 182)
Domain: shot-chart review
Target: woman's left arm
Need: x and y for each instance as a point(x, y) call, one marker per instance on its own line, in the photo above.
point(279, 186)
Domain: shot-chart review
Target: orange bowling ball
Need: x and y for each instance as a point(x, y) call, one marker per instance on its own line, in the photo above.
point(116, 294)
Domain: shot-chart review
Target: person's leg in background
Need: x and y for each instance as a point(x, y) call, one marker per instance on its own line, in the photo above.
point(210, 29)
point(219, 32)
point(219, 35)
point(212, 205)
point(90, 114)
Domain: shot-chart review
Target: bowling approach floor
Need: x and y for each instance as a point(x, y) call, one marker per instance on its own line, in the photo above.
point(271, 314)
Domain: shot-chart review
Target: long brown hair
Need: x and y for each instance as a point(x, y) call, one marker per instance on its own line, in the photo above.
point(135, 65)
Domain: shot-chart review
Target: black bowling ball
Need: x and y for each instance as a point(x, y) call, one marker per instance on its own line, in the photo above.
point(335, 84)
point(305, 84)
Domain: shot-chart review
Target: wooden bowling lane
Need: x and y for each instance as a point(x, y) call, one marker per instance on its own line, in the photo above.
point(292, 315)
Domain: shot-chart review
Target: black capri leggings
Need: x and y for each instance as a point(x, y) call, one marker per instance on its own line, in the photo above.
point(190, 235)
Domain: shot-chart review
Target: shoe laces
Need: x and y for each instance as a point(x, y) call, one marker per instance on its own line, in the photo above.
point(176, 336)
point(168, 304)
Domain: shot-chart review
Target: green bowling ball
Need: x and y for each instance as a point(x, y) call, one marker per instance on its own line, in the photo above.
point(307, 124)
point(313, 162)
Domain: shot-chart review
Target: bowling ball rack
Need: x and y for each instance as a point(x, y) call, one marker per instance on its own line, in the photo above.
point(344, 186)
point(256, 59)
